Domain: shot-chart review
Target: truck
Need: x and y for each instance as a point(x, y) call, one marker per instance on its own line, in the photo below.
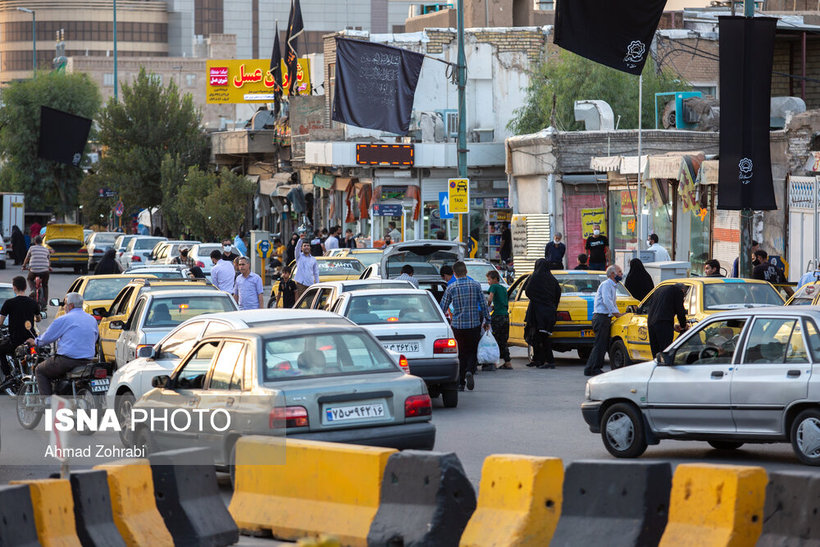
point(14, 214)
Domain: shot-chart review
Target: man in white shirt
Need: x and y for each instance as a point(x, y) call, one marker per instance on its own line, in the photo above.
point(395, 235)
point(332, 242)
point(661, 255)
point(604, 308)
point(223, 275)
point(307, 270)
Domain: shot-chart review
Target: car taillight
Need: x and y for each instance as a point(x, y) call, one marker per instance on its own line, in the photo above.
point(97, 317)
point(100, 373)
point(136, 258)
point(405, 366)
point(82, 250)
point(292, 416)
point(98, 251)
point(200, 264)
point(418, 405)
point(445, 345)
point(563, 316)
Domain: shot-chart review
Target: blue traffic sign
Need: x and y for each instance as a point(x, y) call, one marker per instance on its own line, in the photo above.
point(444, 206)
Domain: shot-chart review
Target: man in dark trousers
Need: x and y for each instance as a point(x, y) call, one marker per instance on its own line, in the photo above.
point(605, 307)
point(597, 247)
point(554, 252)
point(666, 304)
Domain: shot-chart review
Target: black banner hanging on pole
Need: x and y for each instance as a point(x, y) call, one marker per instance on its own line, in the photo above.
point(613, 33)
point(746, 56)
point(375, 85)
point(63, 136)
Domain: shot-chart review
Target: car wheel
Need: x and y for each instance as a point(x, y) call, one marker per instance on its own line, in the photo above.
point(622, 431)
point(584, 353)
point(123, 405)
point(805, 435)
point(450, 398)
point(725, 445)
point(618, 356)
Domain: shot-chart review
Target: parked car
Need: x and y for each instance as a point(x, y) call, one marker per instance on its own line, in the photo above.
point(807, 295)
point(331, 268)
point(409, 322)
point(158, 312)
point(312, 381)
point(138, 250)
point(739, 376)
point(161, 271)
point(367, 257)
point(97, 243)
point(120, 244)
point(98, 291)
point(166, 251)
point(66, 243)
point(478, 268)
point(322, 296)
point(201, 253)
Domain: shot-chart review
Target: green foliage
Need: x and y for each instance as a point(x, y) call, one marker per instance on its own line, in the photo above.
point(569, 78)
point(48, 185)
point(209, 205)
point(172, 177)
point(149, 122)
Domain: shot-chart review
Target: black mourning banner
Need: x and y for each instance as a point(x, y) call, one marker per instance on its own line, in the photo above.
point(295, 28)
point(276, 71)
point(615, 33)
point(375, 85)
point(746, 56)
point(63, 136)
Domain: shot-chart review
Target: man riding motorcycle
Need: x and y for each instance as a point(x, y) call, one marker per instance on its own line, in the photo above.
point(76, 335)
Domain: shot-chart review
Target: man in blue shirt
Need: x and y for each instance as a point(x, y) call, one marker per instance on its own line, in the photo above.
point(76, 335)
point(470, 311)
point(248, 292)
point(604, 308)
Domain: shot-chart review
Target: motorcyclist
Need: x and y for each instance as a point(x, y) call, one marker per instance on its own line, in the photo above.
point(22, 311)
point(76, 335)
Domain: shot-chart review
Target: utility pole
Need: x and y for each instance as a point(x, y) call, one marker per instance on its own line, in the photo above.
point(462, 112)
point(744, 263)
point(116, 81)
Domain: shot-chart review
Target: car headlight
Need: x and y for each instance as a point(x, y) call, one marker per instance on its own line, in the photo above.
point(586, 392)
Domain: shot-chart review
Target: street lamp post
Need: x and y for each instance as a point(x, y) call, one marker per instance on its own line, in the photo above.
point(116, 81)
point(33, 40)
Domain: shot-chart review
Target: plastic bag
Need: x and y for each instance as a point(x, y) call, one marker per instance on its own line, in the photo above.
point(488, 352)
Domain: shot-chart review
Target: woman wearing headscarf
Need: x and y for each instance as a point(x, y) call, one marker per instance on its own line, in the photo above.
point(290, 251)
point(638, 281)
point(544, 293)
point(108, 264)
point(18, 245)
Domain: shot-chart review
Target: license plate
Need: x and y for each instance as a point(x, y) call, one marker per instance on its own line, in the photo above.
point(409, 347)
point(587, 332)
point(356, 412)
point(100, 385)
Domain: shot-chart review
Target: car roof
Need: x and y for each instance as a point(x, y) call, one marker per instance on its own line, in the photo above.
point(294, 329)
point(161, 267)
point(357, 282)
point(271, 314)
point(377, 292)
point(714, 280)
point(119, 276)
point(337, 258)
point(169, 293)
point(786, 311)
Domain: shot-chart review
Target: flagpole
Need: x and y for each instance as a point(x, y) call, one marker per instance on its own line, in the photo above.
point(462, 112)
point(640, 220)
point(744, 263)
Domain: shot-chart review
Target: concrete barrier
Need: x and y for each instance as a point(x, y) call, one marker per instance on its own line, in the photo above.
point(426, 499)
point(715, 505)
point(92, 510)
point(519, 502)
point(614, 504)
point(187, 497)
point(791, 514)
point(53, 512)
point(322, 488)
point(17, 528)
point(132, 502)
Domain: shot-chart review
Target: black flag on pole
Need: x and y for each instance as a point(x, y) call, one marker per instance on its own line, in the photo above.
point(63, 136)
point(746, 56)
point(295, 28)
point(615, 33)
point(375, 85)
point(276, 71)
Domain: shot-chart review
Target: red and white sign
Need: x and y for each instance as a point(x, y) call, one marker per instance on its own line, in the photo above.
point(57, 438)
point(219, 75)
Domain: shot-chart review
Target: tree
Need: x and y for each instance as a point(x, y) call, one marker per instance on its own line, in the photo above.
point(212, 205)
point(150, 122)
point(48, 185)
point(563, 78)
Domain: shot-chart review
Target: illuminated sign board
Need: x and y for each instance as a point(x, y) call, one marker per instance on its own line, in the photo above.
point(248, 81)
point(385, 154)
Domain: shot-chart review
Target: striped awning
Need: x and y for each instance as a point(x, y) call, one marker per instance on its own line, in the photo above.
point(605, 163)
point(629, 165)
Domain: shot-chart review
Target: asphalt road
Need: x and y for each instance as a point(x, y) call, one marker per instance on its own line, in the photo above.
point(522, 411)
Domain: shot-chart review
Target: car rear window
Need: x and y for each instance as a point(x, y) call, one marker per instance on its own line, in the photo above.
point(104, 239)
point(143, 244)
point(161, 274)
point(326, 354)
point(419, 268)
point(377, 309)
point(170, 312)
point(585, 284)
point(479, 271)
point(104, 289)
point(368, 259)
point(340, 266)
point(6, 293)
point(730, 296)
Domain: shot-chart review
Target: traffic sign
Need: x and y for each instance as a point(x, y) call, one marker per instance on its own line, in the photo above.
point(444, 206)
point(264, 249)
point(458, 193)
point(119, 209)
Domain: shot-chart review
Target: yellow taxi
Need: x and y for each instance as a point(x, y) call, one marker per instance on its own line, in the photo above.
point(123, 305)
point(98, 291)
point(367, 257)
point(807, 295)
point(66, 243)
point(703, 297)
point(573, 328)
point(331, 268)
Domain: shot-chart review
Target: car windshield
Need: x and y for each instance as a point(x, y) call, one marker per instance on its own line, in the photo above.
point(340, 266)
point(368, 259)
point(805, 295)
point(170, 312)
point(311, 355)
point(160, 274)
point(104, 289)
point(479, 271)
point(584, 284)
point(417, 256)
point(730, 296)
point(145, 243)
point(419, 269)
point(6, 293)
point(376, 309)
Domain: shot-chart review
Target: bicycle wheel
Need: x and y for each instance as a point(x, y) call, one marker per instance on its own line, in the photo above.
point(29, 407)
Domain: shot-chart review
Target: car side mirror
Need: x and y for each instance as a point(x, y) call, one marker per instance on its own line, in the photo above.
point(55, 302)
point(146, 352)
point(666, 358)
point(632, 309)
point(116, 325)
point(100, 312)
point(163, 381)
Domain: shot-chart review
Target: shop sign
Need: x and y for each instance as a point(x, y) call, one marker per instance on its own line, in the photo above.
point(459, 194)
point(238, 81)
point(591, 217)
point(387, 209)
point(519, 235)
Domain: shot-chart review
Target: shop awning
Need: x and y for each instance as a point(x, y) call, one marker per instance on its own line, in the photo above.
point(605, 163)
point(664, 167)
point(629, 165)
point(708, 173)
point(342, 183)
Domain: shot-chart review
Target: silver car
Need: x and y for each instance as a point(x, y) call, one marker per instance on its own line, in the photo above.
point(157, 312)
point(743, 376)
point(138, 250)
point(318, 382)
point(97, 243)
point(166, 251)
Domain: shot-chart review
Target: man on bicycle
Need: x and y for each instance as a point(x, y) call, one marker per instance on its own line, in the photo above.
point(38, 264)
point(76, 336)
point(22, 312)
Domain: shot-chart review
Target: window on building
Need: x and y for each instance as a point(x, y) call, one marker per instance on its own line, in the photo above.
point(108, 79)
point(190, 80)
point(707, 90)
point(544, 4)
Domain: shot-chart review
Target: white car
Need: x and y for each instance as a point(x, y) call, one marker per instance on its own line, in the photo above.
point(478, 268)
point(329, 291)
point(409, 322)
point(138, 250)
point(133, 380)
point(166, 251)
point(161, 271)
point(201, 253)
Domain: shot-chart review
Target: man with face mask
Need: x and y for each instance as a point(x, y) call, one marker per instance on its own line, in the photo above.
point(605, 307)
point(227, 252)
point(183, 258)
point(597, 247)
point(554, 252)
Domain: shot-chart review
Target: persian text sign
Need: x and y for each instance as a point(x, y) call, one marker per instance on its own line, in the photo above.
point(239, 81)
